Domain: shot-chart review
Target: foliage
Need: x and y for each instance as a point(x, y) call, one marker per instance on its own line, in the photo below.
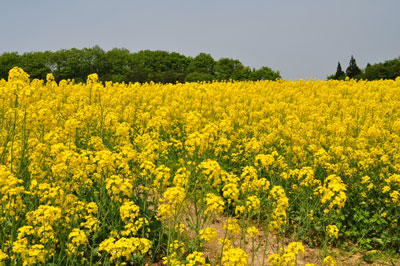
point(202, 63)
point(199, 76)
point(390, 69)
point(340, 74)
point(353, 71)
point(120, 65)
point(264, 73)
point(227, 68)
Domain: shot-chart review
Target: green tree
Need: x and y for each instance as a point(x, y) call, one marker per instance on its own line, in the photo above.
point(339, 72)
point(199, 76)
point(68, 65)
point(37, 64)
point(8, 61)
point(390, 69)
point(158, 66)
point(93, 61)
point(117, 65)
point(353, 71)
point(227, 68)
point(264, 73)
point(120, 65)
point(202, 63)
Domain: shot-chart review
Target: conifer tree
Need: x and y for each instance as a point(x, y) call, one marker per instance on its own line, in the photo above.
point(339, 72)
point(353, 70)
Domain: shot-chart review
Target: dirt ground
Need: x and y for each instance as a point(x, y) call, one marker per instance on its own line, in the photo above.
point(312, 255)
point(259, 255)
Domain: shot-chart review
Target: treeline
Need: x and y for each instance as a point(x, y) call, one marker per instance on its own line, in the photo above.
point(120, 65)
point(390, 69)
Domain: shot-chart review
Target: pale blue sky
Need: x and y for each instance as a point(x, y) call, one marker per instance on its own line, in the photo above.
point(300, 38)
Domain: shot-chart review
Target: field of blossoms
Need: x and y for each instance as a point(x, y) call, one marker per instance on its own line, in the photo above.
point(197, 173)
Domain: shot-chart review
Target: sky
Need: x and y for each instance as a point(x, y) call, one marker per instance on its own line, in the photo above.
point(300, 38)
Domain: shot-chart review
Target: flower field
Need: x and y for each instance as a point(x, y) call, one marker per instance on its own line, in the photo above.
point(196, 173)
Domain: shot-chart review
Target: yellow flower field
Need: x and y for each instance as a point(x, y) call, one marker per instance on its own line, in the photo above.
point(134, 174)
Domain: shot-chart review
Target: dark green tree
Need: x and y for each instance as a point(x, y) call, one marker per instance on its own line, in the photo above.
point(353, 71)
point(94, 61)
point(37, 64)
point(339, 72)
point(390, 69)
point(159, 66)
point(117, 65)
point(120, 65)
point(8, 61)
point(199, 76)
point(68, 64)
point(264, 73)
point(227, 68)
point(202, 63)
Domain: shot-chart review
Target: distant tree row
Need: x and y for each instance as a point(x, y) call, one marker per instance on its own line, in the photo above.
point(388, 70)
point(120, 65)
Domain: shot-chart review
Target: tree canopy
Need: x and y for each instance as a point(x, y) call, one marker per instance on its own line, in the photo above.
point(389, 69)
point(120, 65)
point(353, 70)
point(339, 72)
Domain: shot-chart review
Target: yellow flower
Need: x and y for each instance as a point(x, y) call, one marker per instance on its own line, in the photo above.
point(281, 204)
point(49, 77)
point(275, 260)
point(288, 256)
point(119, 188)
point(30, 254)
point(125, 247)
point(332, 231)
point(92, 224)
point(196, 259)
point(44, 215)
point(386, 189)
point(232, 228)
point(333, 192)
point(78, 239)
point(252, 232)
point(365, 179)
point(231, 192)
point(239, 209)
point(162, 176)
point(329, 261)
point(68, 148)
point(181, 177)
point(3, 256)
point(174, 195)
point(129, 211)
point(395, 196)
point(172, 202)
point(212, 170)
point(17, 74)
point(234, 257)
point(92, 78)
point(208, 234)
point(253, 204)
point(296, 248)
point(214, 203)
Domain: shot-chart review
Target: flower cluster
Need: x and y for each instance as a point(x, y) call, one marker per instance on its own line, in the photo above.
point(287, 256)
point(281, 204)
point(125, 248)
point(111, 171)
